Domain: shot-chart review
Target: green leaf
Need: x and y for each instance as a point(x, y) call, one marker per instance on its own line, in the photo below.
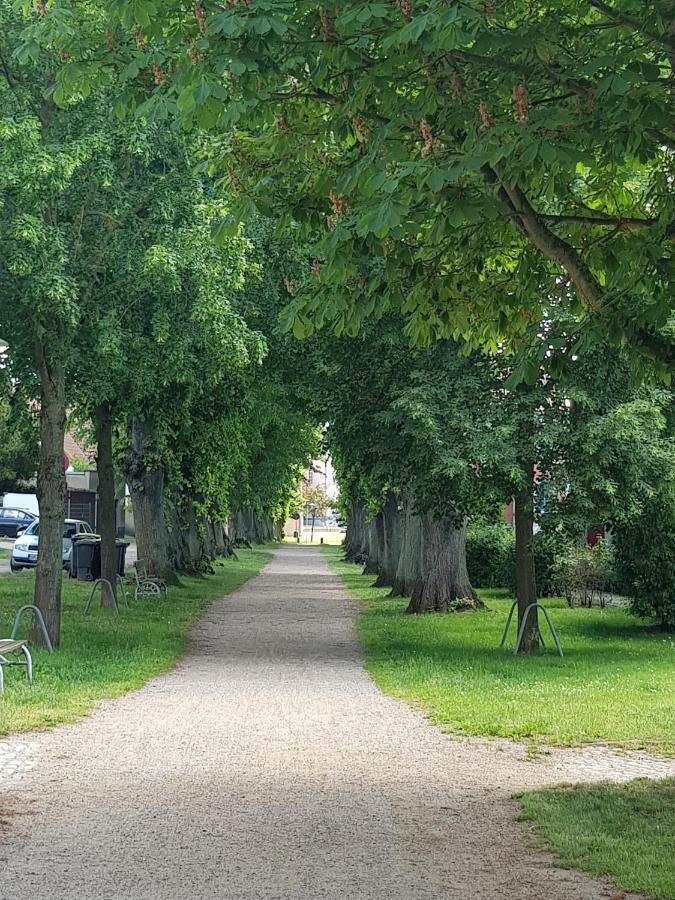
point(298, 329)
point(203, 90)
point(436, 180)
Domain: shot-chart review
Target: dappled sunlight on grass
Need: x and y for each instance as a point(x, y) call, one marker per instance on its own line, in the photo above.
point(615, 682)
point(102, 655)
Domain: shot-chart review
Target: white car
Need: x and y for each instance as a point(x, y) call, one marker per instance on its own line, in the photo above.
point(25, 549)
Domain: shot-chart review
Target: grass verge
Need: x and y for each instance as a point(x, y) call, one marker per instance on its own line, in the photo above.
point(614, 683)
point(102, 655)
point(625, 832)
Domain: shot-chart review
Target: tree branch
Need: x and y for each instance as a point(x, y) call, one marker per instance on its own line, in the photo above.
point(631, 22)
point(569, 259)
point(545, 240)
point(8, 75)
point(618, 222)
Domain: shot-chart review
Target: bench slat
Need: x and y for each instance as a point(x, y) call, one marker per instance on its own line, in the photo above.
point(8, 646)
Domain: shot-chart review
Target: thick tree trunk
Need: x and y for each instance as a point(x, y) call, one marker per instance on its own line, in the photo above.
point(242, 520)
point(354, 538)
point(106, 503)
point(220, 537)
point(177, 540)
point(374, 546)
point(391, 542)
point(146, 486)
point(443, 585)
point(210, 543)
point(147, 500)
point(526, 588)
point(409, 565)
point(265, 529)
point(51, 494)
point(252, 528)
point(191, 542)
point(195, 539)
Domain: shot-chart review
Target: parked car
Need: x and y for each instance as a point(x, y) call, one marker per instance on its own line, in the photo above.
point(25, 549)
point(12, 521)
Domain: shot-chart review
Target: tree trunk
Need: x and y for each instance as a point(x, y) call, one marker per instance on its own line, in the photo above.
point(526, 588)
point(374, 546)
point(354, 537)
point(249, 527)
point(146, 486)
point(210, 539)
point(51, 494)
point(222, 544)
point(409, 564)
point(191, 548)
point(177, 540)
point(391, 542)
point(195, 539)
point(237, 526)
point(106, 503)
point(443, 585)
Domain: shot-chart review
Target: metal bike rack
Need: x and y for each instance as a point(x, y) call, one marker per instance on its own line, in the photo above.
point(521, 630)
point(37, 614)
point(99, 583)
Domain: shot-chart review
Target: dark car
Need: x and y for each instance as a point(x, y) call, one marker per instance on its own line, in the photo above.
point(12, 521)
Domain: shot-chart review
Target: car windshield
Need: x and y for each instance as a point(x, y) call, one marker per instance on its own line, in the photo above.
point(68, 529)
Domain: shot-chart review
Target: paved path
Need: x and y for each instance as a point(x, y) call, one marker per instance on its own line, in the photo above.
point(267, 765)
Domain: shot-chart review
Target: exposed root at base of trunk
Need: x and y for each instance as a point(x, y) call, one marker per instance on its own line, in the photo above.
point(382, 581)
point(421, 606)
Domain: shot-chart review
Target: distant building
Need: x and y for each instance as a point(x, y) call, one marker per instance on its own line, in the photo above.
point(321, 472)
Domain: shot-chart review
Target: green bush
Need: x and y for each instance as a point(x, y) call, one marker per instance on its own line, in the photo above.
point(645, 557)
point(549, 546)
point(584, 574)
point(490, 555)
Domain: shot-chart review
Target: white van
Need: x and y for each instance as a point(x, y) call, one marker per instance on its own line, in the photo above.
point(29, 502)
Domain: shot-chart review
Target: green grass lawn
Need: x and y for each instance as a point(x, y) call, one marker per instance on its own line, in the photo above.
point(626, 832)
point(5, 554)
point(102, 655)
point(614, 684)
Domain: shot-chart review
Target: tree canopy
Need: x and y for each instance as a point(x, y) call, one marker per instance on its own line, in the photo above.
point(480, 193)
point(467, 163)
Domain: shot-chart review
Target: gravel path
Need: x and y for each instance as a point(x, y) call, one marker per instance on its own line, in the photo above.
point(267, 765)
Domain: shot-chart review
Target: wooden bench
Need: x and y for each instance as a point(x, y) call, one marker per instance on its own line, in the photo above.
point(9, 647)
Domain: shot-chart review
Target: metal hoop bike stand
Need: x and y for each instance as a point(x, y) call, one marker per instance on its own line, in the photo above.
point(37, 614)
point(521, 630)
point(99, 583)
